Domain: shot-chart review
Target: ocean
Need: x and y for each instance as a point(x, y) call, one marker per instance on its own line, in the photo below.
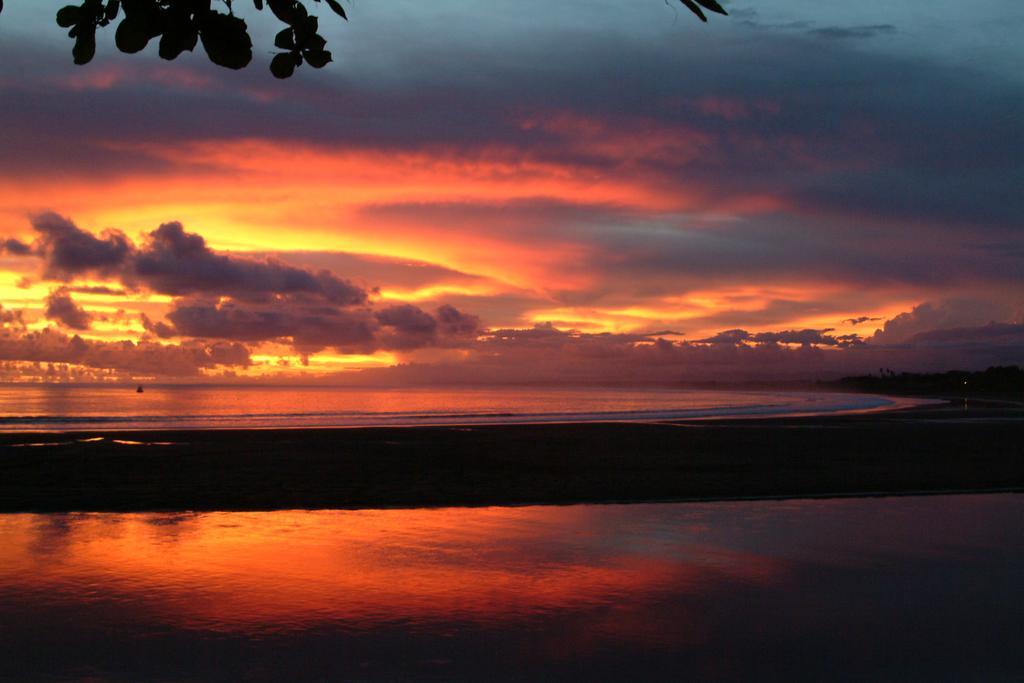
point(55, 407)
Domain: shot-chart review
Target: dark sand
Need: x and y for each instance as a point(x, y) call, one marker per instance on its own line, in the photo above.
point(935, 449)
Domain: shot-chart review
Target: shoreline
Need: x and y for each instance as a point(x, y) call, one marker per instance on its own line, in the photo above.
point(893, 404)
point(926, 449)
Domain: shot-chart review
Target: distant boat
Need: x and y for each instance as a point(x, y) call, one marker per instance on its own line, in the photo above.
point(139, 390)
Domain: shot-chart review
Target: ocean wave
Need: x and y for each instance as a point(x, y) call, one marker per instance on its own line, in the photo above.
point(703, 406)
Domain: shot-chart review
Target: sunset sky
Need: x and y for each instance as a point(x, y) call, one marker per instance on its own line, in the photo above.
point(559, 191)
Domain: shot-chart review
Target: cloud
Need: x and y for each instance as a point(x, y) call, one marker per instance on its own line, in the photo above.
point(839, 131)
point(852, 32)
point(930, 317)
point(854, 180)
point(97, 289)
point(158, 327)
point(860, 320)
point(313, 328)
point(15, 247)
point(179, 263)
point(455, 323)
point(62, 308)
point(14, 318)
point(221, 296)
point(592, 179)
point(805, 337)
point(545, 354)
point(409, 327)
point(145, 358)
point(69, 252)
point(308, 328)
point(728, 337)
point(992, 334)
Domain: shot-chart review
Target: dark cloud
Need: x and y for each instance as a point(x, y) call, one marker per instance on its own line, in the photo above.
point(220, 296)
point(409, 327)
point(841, 116)
point(728, 337)
point(146, 358)
point(854, 144)
point(15, 247)
point(874, 191)
point(313, 328)
point(547, 354)
point(852, 32)
point(69, 252)
point(308, 328)
point(860, 320)
point(159, 327)
point(1001, 334)
point(455, 323)
point(97, 289)
point(13, 318)
point(62, 308)
point(929, 317)
point(179, 263)
point(805, 337)
point(407, 318)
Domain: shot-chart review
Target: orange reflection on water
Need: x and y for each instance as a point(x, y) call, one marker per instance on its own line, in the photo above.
point(290, 570)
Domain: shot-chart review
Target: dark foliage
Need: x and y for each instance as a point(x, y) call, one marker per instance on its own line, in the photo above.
point(1005, 381)
point(182, 24)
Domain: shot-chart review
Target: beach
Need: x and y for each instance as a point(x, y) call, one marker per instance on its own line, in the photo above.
point(950, 447)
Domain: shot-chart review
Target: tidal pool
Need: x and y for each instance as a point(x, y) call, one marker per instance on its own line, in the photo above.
point(914, 588)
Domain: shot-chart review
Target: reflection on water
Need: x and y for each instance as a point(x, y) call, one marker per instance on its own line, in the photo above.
point(909, 588)
point(34, 407)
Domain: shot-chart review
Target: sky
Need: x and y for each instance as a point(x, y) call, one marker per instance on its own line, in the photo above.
point(581, 191)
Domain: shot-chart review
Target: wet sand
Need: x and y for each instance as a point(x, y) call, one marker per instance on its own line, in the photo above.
point(944, 448)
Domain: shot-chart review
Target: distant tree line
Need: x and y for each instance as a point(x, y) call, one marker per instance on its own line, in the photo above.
point(1005, 381)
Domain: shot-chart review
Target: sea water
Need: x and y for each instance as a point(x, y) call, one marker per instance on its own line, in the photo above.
point(31, 407)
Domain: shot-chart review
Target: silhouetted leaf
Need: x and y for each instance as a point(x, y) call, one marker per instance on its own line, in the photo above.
point(306, 27)
point(314, 42)
point(317, 58)
point(147, 8)
point(338, 9)
point(180, 32)
point(285, 39)
point(85, 47)
point(177, 40)
point(132, 35)
point(181, 24)
point(68, 16)
point(283, 65)
point(284, 10)
point(692, 6)
point(713, 6)
point(1, 5)
point(226, 40)
point(113, 7)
